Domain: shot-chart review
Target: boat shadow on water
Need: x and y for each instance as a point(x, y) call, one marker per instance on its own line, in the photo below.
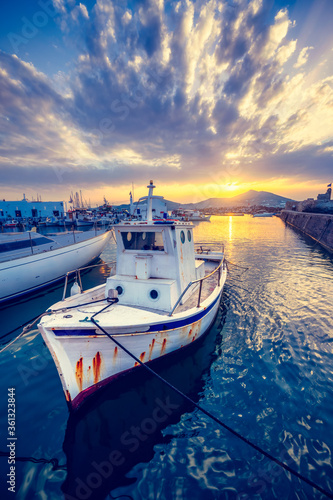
point(118, 427)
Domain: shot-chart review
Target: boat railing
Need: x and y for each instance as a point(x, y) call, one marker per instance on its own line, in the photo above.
point(207, 247)
point(77, 273)
point(200, 281)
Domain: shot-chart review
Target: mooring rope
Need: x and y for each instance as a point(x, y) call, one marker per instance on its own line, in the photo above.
point(21, 326)
point(49, 311)
point(53, 461)
point(236, 265)
point(24, 331)
point(210, 415)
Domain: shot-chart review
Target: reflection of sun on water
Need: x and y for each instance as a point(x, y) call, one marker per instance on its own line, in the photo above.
point(104, 270)
point(230, 228)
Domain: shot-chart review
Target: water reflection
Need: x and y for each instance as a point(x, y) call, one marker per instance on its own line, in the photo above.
point(271, 381)
point(118, 427)
point(230, 228)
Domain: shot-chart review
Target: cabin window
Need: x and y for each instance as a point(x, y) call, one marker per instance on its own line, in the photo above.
point(182, 236)
point(189, 236)
point(154, 294)
point(143, 241)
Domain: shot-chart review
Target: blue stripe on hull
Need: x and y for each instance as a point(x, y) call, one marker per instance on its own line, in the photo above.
point(170, 325)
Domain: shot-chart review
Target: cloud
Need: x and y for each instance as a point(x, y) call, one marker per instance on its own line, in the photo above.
point(173, 90)
point(303, 57)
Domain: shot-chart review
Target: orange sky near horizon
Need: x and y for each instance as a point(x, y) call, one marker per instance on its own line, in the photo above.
point(187, 193)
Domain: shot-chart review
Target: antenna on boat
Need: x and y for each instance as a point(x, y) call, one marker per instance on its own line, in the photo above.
point(150, 202)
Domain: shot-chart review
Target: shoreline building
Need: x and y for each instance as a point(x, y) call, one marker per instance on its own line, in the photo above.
point(322, 204)
point(25, 209)
point(139, 209)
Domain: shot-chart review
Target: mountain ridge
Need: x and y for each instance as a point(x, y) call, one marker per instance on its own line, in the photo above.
point(250, 198)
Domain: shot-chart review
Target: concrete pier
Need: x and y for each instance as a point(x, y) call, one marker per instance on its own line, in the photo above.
point(318, 226)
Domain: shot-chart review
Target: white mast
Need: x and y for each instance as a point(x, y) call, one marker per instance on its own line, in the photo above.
point(150, 202)
point(131, 204)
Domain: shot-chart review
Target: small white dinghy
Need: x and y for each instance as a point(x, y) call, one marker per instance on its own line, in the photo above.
point(162, 297)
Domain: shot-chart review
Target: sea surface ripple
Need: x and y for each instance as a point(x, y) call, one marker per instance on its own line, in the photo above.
point(265, 369)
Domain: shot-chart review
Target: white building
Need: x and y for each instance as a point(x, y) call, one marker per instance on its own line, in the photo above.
point(25, 209)
point(139, 208)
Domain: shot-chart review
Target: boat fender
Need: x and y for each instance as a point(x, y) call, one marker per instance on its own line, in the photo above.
point(75, 289)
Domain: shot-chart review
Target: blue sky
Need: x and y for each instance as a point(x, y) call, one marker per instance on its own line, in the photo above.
point(208, 98)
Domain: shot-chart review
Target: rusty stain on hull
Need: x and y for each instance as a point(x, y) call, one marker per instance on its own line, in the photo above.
point(97, 361)
point(89, 374)
point(68, 396)
point(163, 346)
point(142, 356)
point(151, 347)
point(79, 373)
point(115, 354)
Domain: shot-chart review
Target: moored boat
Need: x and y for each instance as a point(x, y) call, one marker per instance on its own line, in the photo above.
point(51, 221)
point(191, 215)
point(11, 223)
point(264, 214)
point(110, 413)
point(29, 260)
point(162, 298)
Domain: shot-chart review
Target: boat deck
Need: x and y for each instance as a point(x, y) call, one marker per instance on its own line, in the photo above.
point(208, 286)
point(97, 294)
point(19, 245)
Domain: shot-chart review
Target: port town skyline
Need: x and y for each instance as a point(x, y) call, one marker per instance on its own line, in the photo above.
point(208, 99)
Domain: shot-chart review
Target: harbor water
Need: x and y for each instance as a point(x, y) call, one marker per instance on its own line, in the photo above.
point(265, 369)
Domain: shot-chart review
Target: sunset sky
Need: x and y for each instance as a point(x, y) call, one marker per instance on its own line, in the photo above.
point(208, 98)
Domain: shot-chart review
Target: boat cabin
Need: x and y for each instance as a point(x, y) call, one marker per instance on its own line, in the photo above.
point(155, 262)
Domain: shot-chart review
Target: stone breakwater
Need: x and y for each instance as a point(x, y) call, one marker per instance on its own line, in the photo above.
point(318, 226)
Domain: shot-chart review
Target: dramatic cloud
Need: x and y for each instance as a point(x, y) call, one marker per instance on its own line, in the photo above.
point(206, 91)
point(303, 57)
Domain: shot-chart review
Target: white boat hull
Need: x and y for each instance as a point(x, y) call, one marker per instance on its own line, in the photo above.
point(87, 359)
point(27, 274)
point(199, 219)
point(263, 215)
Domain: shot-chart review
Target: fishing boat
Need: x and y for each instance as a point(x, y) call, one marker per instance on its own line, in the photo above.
point(110, 413)
point(51, 221)
point(11, 223)
point(161, 298)
point(191, 215)
point(30, 260)
point(264, 214)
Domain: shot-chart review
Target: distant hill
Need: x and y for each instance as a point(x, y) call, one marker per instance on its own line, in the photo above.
point(250, 198)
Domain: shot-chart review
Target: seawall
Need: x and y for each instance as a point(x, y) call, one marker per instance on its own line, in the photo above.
point(318, 226)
